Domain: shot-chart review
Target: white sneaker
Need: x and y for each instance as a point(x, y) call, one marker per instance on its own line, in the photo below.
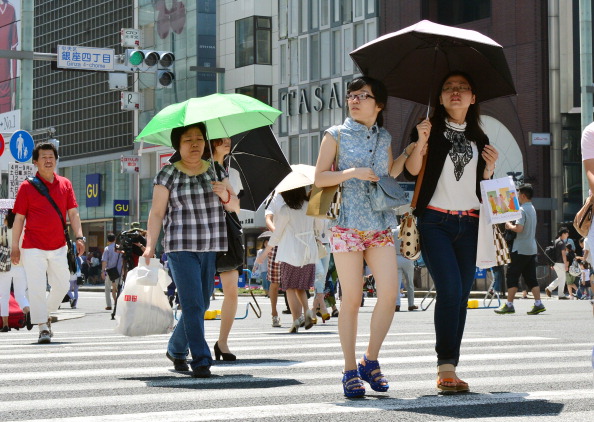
point(276, 321)
point(44, 337)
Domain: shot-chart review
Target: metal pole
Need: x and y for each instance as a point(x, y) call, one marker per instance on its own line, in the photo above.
point(556, 150)
point(26, 83)
point(585, 71)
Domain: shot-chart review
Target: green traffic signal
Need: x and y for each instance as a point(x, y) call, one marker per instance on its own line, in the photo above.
point(136, 58)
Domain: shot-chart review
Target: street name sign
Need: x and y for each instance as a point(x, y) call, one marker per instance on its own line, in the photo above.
point(76, 57)
point(17, 173)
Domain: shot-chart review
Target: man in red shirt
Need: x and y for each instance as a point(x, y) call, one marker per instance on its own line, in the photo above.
point(44, 247)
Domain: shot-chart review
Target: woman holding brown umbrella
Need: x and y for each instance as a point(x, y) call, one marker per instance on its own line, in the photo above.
point(458, 158)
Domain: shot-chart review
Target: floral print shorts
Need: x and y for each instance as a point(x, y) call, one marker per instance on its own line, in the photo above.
point(353, 240)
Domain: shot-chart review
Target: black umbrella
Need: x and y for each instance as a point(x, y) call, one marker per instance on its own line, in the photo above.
point(412, 61)
point(261, 164)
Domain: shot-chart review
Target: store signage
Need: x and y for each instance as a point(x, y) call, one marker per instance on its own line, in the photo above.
point(121, 207)
point(93, 190)
point(163, 159)
point(303, 100)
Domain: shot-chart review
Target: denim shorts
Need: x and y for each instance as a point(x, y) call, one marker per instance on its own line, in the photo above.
point(353, 240)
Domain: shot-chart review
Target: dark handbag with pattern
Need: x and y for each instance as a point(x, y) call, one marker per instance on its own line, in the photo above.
point(5, 263)
point(71, 254)
point(325, 202)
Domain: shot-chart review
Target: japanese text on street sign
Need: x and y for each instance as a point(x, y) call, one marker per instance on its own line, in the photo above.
point(17, 173)
point(130, 164)
point(85, 58)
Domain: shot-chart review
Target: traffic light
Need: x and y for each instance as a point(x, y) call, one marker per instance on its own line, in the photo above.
point(148, 60)
point(165, 75)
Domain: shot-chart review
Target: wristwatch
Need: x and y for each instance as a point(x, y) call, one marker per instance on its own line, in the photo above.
point(84, 239)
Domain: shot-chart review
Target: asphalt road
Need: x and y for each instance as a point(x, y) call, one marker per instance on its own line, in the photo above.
point(519, 367)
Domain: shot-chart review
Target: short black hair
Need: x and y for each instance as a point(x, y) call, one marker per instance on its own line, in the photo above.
point(527, 190)
point(111, 237)
point(177, 132)
point(562, 230)
point(46, 146)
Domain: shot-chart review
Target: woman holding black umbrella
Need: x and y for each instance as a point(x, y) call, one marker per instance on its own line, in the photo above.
point(220, 148)
point(458, 157)
point(188, 200)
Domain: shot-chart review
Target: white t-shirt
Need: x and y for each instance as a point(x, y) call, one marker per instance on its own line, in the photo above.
point(588, 248)
point(588, 142)
point(275, 205)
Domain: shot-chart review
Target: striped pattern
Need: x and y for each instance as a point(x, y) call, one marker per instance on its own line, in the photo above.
point(97, 375)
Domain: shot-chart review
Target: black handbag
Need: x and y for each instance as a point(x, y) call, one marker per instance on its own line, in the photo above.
point(113, 273)
point(71, 254)
point(233, 256)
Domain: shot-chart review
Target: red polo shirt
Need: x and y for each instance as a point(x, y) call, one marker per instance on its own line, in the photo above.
point(43, 227)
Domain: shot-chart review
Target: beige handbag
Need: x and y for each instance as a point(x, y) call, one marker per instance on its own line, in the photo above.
point(583, 218)
point(325, 202)
point(410, 243)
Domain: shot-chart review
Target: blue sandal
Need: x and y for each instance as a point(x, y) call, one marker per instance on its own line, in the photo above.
point(352, 385)
point(376, 380)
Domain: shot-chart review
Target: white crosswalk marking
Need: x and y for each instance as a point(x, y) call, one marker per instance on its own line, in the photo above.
point(101, 376)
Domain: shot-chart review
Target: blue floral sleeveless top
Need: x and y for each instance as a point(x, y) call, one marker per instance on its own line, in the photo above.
point(357, 143)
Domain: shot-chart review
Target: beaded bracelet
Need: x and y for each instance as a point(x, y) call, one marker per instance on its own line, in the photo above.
point(228, 199)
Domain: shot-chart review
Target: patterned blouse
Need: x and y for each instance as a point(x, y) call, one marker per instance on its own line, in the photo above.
point(356, 150)
point(194, 220)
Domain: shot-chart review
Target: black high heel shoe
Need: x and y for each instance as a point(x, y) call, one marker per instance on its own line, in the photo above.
point(226, 356)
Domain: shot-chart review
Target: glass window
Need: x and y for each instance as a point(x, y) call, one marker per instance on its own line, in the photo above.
point(294, 150)
point(315, 14)
point(304, 149)
point(315, 149)
point(293, 18)
point(359, 35)
point(304, 16)
point(347, 33)
point(336, 15)
point(283, 63)
point(371, 7)
point(325, 54)
point(244, 42)
point(303, 60)
point(371, 30)
point(283, 9)
point(347, 11)
point(293, 51)
point(358, 9)
point(455, 12)
point(314, 57)
point(324, 13)
point(336, 52)
point(259, 92)
point(248, 51)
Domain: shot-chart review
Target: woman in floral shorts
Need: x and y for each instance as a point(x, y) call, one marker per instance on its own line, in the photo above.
point(359, 233)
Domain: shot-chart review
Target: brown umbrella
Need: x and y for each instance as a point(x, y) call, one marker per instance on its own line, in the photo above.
point(412, 61)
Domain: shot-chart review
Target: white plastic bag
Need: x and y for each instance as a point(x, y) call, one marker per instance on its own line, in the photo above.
point(143, 310)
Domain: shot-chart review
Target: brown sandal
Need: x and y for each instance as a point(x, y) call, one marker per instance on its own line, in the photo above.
point(448, 385)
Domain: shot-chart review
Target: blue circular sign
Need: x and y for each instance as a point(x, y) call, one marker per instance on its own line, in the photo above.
point(21, 146)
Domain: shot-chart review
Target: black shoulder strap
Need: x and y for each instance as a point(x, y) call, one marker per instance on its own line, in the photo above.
point(42, 189)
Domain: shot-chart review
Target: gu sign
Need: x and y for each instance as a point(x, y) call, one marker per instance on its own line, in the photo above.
point(93, 190)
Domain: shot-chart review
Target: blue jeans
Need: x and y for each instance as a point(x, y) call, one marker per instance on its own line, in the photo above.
point(193, 273)
point(448, 245)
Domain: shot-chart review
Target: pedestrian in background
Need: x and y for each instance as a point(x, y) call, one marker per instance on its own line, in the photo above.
point(261, 270)
point(406, 272)
point(322, 238)
point(458, 158)
point(274, 275)
point(229, 279)
point(523, 254)
point(187, 199)
point(15, 277)
point(561, 265)
point(111, 270)
point(44, 248)
point(359, 233)
point(73, 291)
point(297, 253)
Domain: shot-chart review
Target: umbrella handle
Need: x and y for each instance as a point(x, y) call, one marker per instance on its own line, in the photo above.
point(432, 76)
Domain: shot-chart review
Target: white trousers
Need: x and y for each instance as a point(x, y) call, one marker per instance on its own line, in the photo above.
point(560, 280)
point(16, 275)
point(406, 271)
point(39, 263)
